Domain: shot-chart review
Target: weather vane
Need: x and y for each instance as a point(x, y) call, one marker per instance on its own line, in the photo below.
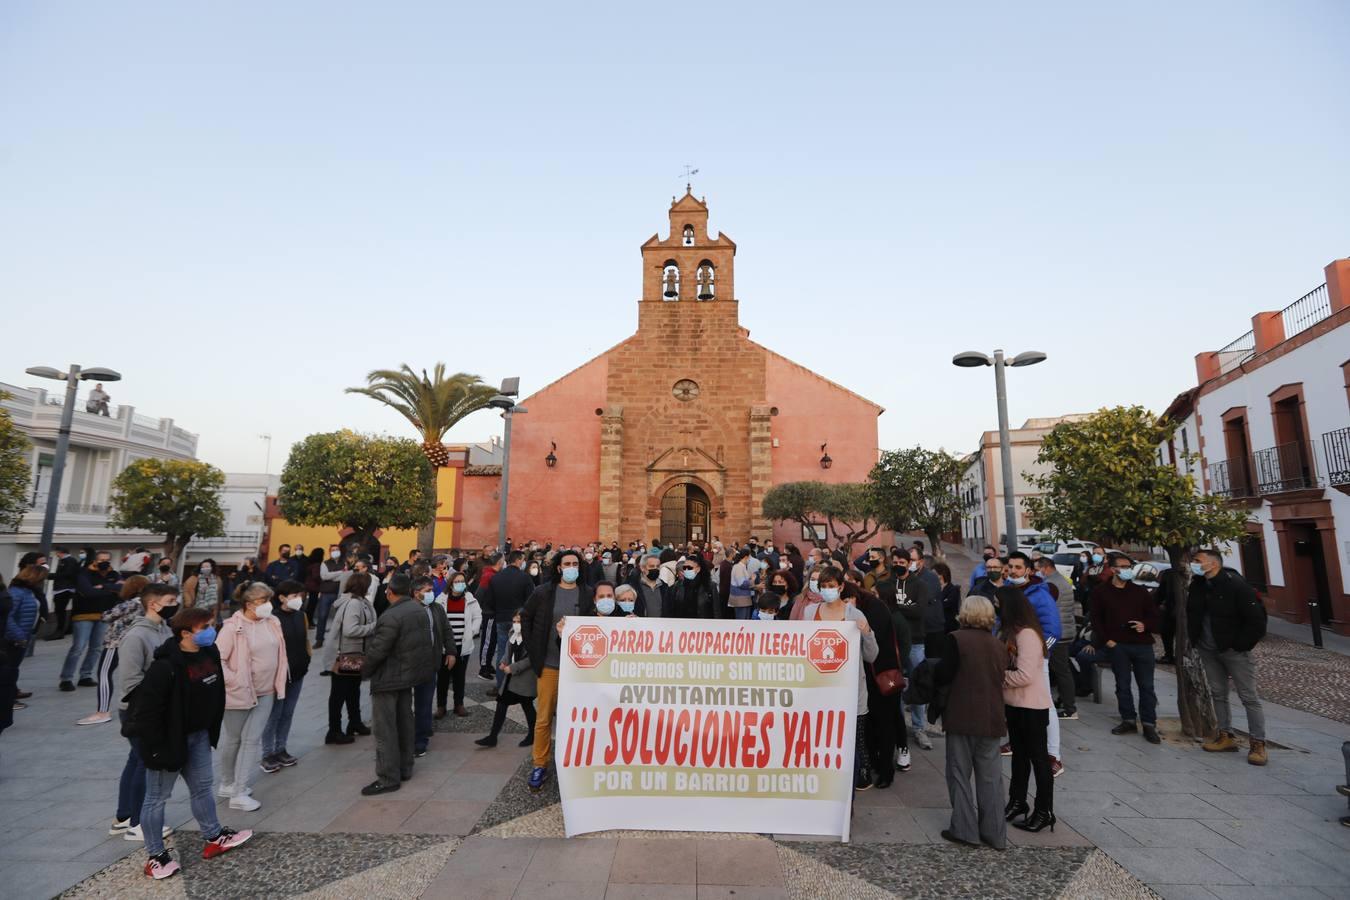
point(689, 173)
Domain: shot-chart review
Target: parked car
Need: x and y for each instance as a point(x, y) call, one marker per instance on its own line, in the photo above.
point(1073, 545)
point(1065, 563)
point(1149, 573)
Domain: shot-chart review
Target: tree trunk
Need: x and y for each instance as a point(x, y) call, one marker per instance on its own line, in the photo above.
point(934, 540)
point(1195, 706)
point(426, 534)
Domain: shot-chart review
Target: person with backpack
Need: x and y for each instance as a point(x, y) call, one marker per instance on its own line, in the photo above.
point(176, 713)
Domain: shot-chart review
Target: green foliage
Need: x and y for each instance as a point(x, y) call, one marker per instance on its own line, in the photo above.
point(15, 470)
point(433, 405)
point(178, 498)
point(357, 480)
point(849, 510)
point(917, 488)
point(1105, 483)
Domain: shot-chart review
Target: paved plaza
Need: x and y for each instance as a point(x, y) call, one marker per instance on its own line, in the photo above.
point(1136, 821)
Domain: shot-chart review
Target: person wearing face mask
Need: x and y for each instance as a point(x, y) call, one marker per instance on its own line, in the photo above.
point(289, 608)
point(768, 610)
point(606, 603)
point(511, 587)
point(912, 599)
point(146, 634)
point(97, 590)
point(993, 580)
point(280, 569)
point(982, 567)
point(1018, 574)
point(519, 687)
point(331, 576)
point(646, 579)
point(1124, 620)
point(253, 657)
point(176, 714)
point(1094, 573)
point(629, 601)
point(810, 593)
point(834, 608)
point(694, 598)
point(116, 622)
point(1061, 670)
point(164, 573)
point(779, 591)
point(542, 620)
point(424, 691)
point(204, 589)
point(466, 619)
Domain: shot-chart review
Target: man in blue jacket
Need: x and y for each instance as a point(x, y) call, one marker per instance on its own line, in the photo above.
point(1019, 575)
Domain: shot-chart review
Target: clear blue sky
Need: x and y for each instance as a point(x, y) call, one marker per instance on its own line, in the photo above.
point(245, 207)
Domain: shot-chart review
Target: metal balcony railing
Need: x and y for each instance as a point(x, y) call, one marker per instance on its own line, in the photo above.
point(1284, 467)
point(1306, 311)
point(1230, 478)
point(1237, 352)
point(1336, 446)
point(230, 539)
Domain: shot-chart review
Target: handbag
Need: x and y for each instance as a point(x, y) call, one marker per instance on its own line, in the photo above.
point(890, 681)
point(349, 663)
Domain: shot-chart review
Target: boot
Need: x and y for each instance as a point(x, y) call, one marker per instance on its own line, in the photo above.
point(1256, 756)
point(1223, 742)
point(461, 711)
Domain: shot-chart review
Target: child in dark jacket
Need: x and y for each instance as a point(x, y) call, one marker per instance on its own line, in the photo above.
point(519, 687)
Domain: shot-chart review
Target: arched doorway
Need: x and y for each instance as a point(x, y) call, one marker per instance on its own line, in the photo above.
point(684, 514)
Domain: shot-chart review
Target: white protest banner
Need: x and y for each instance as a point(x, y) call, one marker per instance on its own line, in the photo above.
point(707, 725)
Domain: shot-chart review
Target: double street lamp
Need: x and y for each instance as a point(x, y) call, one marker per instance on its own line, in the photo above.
point(971, 359)
point(72, 378)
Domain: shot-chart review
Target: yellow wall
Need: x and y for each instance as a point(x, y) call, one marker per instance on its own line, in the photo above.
point(398, 541)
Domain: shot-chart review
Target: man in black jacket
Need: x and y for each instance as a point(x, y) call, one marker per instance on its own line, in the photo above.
point(96, 592)
point(1225, 620)
point(400, 654)
point(176, 712)
point(511, 587)
point(541, 623)
point(64, 573)
point(288, 605)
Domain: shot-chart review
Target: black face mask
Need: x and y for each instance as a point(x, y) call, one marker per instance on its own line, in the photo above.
point(104, 566)
point(653, 574)
point(164, 568)
point(167, 612)
point(779, 589)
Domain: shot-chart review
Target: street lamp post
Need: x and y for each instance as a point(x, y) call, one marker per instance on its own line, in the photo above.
point(971, 359)
point(510, 388)
point(72, 378)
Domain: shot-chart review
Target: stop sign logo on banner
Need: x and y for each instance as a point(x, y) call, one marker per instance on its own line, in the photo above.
point(587, 646)
point(827, 650)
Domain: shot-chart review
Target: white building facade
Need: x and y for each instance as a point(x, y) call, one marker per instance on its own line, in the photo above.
point(244, 502)
point(1271, 411)
point(100, 448)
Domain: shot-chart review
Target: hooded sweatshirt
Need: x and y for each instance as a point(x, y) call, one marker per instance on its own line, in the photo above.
point(135, 654)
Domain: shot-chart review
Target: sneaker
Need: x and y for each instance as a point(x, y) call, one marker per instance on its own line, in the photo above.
point(270, 765)
point(225, 791)
point(1343, 790)
point(420, 752)
point(224, 842)
point(1068, 714)
point(1056, 767)
point(1126, 727)
point(119, 826)
point(902, 760)
point(23, 695)
point(1223, 742)
point(19, 704)
point(161, 866)
point(1345, 820)
point(87, 682)
point(1005, 750)
point(1257, 754)
point(285, 759)
point(94, 719)
point(538, 775)
point(134, 833)
point(862, 782)
point(923, 740)
point(244, 802)
point(487, 674)
point(68, 686)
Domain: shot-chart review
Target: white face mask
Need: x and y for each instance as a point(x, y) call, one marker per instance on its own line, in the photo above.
point(294, 603)
point(263, 610)
point(335, 555)
point(515, 637)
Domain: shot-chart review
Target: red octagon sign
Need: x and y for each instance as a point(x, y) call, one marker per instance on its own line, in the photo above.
point(827, 650)
point(587, 646)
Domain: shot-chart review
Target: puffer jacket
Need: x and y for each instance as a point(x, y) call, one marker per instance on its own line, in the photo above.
point(1237, 618)
point(401, 653)
point(236, 659)
point(1047, 611)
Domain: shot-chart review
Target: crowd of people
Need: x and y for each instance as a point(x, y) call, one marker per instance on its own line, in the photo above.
point(219, 662)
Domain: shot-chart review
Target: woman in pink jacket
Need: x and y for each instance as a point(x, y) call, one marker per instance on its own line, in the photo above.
point(253, 657)
point(1026, 705)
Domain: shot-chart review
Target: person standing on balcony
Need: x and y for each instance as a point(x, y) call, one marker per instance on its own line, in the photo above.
point(1226, 620)
point(96, 591)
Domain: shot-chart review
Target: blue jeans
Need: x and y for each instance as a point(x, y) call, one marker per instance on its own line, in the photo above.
point(326, 602)
point(88, 639)
point(131, 789)
point(159, 787)
point(424, 699)
point(1136, 659)
point(916, 712)
point(503, 635)
point(278, 726)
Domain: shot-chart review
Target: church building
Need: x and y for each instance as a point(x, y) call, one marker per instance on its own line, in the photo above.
point(678, 431)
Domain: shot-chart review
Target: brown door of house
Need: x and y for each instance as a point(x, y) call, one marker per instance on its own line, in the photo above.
point(684, 515)
point(1309, 576)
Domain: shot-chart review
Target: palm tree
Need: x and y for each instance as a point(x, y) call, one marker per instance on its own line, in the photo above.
point(433, 405)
